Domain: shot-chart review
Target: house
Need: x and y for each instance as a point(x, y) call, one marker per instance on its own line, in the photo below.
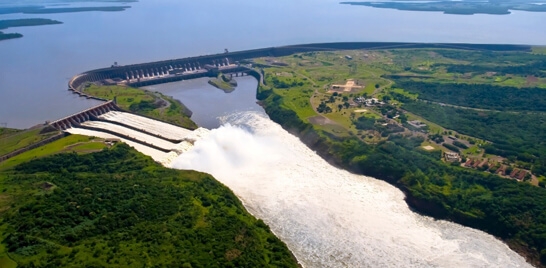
point(417, 123)
point(513, 173)
point(501, 171)
point(452, 157)
point(521, 175)
point(483, 163)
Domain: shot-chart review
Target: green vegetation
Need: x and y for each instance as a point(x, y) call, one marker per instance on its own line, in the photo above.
point(144, 102)
point(45, 10)
point(72, 143)
point(4, 132)
point(376, 139)
point(459, 8)
point(4, 24)
point(460, 145)
point(11, 140)
point(451, 147)
point(119, 208)
point(516, 136)
point(224, 83)
point(478, 95)
point(6, 36)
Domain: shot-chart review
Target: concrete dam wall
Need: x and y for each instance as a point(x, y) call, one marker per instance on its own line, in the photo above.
point(194, 67)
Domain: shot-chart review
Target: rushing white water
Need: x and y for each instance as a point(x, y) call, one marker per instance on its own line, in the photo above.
point(153, 126)
point(327, 216)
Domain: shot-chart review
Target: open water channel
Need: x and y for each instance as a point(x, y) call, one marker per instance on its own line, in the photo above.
point(328, 217)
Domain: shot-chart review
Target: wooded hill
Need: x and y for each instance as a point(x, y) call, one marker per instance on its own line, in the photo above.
point(119, 208)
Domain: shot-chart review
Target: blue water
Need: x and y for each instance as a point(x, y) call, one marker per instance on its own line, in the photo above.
point(35, 69)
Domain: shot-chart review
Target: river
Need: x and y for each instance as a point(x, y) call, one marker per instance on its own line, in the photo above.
point(328, 217)
point(35, 69)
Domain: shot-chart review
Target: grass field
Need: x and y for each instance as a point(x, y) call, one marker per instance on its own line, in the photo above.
point(144, 102)
point(4, 132)
point(72, 143)
point(14, 140)
point(125, 96)
point(539, 50)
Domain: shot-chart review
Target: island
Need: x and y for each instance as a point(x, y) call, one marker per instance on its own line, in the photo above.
point(5, 24)
point(464, 7)
point(41, 9)
point(227, 84)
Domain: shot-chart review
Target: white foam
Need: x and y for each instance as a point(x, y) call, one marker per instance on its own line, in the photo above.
point(164, 144)
point(152, 126)
point(157, 155)
point(327, 216)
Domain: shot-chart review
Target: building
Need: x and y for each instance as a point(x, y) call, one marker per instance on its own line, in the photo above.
point(452, 157)
point(417, 124)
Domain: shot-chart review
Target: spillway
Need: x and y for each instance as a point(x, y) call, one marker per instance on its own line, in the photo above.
point(146, 135)
point(153, 126)
point(141, 136)
point(329, 217)
point(157, 155)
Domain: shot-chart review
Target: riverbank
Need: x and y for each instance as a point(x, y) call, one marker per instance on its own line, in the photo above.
point(431, 188)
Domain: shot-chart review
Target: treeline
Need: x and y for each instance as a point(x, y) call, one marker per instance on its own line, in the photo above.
point(6, 36)
point(534, 68)
point(515, 136)
point(119, 208)
point(4, 24)
point(503, 63)
point(493, 58)
point(476, 199)
point(478, 95)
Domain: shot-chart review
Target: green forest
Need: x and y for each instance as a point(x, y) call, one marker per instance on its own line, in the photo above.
point(481, 96)
point(119, 208)
point(517, 136)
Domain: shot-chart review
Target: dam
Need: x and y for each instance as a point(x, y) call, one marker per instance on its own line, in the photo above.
point(159, 140)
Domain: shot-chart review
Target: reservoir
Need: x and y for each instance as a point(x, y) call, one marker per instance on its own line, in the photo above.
point(35, 69)
point(328, 217)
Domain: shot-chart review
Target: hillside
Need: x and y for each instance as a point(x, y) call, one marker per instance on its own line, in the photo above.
point(118, 208)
